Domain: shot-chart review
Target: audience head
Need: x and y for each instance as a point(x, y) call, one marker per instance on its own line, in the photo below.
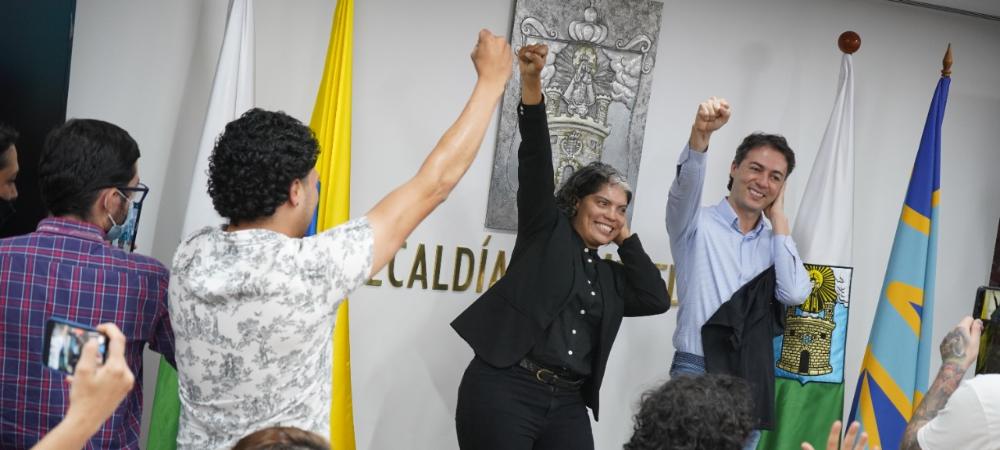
point(282, 438)
point(710, 412)
point(83, 168)
point(262, 163)
point(8, 137)
point(595, 198)
point(8, 171)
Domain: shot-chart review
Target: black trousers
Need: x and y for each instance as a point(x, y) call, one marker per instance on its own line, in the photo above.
point(508, 409)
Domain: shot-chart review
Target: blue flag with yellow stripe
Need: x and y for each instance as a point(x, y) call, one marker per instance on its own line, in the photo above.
point(894, 372)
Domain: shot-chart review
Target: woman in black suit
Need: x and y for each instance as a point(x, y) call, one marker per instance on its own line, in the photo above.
point(542, 334)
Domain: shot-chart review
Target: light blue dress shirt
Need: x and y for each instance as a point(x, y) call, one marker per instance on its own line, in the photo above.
point(714, 259)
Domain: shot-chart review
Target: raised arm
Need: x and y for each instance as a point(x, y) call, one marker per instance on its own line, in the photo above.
point(396, 215)
point(530, 62)
point(958, 351)
point(535, 176)
point(685, 192)
point(712, 115)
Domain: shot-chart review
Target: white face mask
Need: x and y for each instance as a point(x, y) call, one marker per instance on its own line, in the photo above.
point(123, 235)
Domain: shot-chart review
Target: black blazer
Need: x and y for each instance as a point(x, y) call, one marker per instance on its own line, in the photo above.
point(505, 322)
point(737, 340)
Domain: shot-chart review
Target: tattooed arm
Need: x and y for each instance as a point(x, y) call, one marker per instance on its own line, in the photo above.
point(958, 352)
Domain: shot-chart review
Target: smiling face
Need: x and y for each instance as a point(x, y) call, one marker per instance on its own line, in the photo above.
point(757, 180)
point(601, 215)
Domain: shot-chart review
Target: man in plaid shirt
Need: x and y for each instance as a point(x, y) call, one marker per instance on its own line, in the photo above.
point(90, 184)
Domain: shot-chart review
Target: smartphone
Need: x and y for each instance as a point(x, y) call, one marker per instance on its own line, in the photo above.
point(987, 309)
point(64, 341)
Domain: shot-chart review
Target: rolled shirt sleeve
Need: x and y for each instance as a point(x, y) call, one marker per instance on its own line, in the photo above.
point(793, 285)
point(684, 198)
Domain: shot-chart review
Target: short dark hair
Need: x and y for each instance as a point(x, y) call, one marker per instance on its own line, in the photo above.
point(704, 412)
point(282, 438)
point(758, 139)
point(588, 180)
point(8, 137)
point(255, 161)
point(81, 157)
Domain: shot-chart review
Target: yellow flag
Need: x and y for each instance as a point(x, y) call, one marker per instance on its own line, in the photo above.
point(331, 121)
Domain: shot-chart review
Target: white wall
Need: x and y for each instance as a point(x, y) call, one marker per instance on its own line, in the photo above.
point(148, 67)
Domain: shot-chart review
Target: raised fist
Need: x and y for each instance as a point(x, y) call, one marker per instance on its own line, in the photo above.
point(531, 59)
point(492, 57)
point(712, 115)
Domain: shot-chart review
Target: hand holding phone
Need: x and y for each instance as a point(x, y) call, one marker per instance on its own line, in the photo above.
point(95, 392)
point(987, 309)
point(64, 341)
point(98, 388)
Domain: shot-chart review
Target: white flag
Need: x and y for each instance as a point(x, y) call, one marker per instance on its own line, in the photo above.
point(232, 95)
point(824, 224)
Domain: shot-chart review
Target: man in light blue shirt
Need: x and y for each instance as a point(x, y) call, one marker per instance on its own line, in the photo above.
point(717, 249)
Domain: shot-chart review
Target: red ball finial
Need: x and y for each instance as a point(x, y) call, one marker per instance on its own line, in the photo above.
point(849, 42)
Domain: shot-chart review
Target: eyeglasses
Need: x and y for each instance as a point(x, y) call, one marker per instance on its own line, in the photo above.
point(131, 191)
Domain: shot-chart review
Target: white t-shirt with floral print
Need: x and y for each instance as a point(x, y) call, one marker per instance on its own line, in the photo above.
point(253, 313)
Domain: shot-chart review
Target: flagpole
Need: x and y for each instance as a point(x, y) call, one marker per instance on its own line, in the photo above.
point(824, 235)
point(946, 62)
point(894, 372)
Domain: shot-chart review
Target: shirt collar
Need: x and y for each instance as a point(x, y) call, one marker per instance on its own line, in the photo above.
point(578, 242)
point(728, 215)
point(71, 227)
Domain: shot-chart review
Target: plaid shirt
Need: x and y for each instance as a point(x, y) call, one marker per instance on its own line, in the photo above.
point(65, 269)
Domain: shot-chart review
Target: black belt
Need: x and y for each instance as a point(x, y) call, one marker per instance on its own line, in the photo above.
point(551, 377)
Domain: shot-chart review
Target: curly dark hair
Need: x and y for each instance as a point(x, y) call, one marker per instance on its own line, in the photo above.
point(81, 157)
point(8, 137)
point(707, 412)
point(282, 438)
point(254, 162)
point(758, 139)
point(588, 180)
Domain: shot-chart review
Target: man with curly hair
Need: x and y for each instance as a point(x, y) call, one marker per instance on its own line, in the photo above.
point(711, 412)
point(254, 302)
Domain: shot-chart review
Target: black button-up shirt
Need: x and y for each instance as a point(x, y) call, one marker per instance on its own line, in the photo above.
point(568, 344)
